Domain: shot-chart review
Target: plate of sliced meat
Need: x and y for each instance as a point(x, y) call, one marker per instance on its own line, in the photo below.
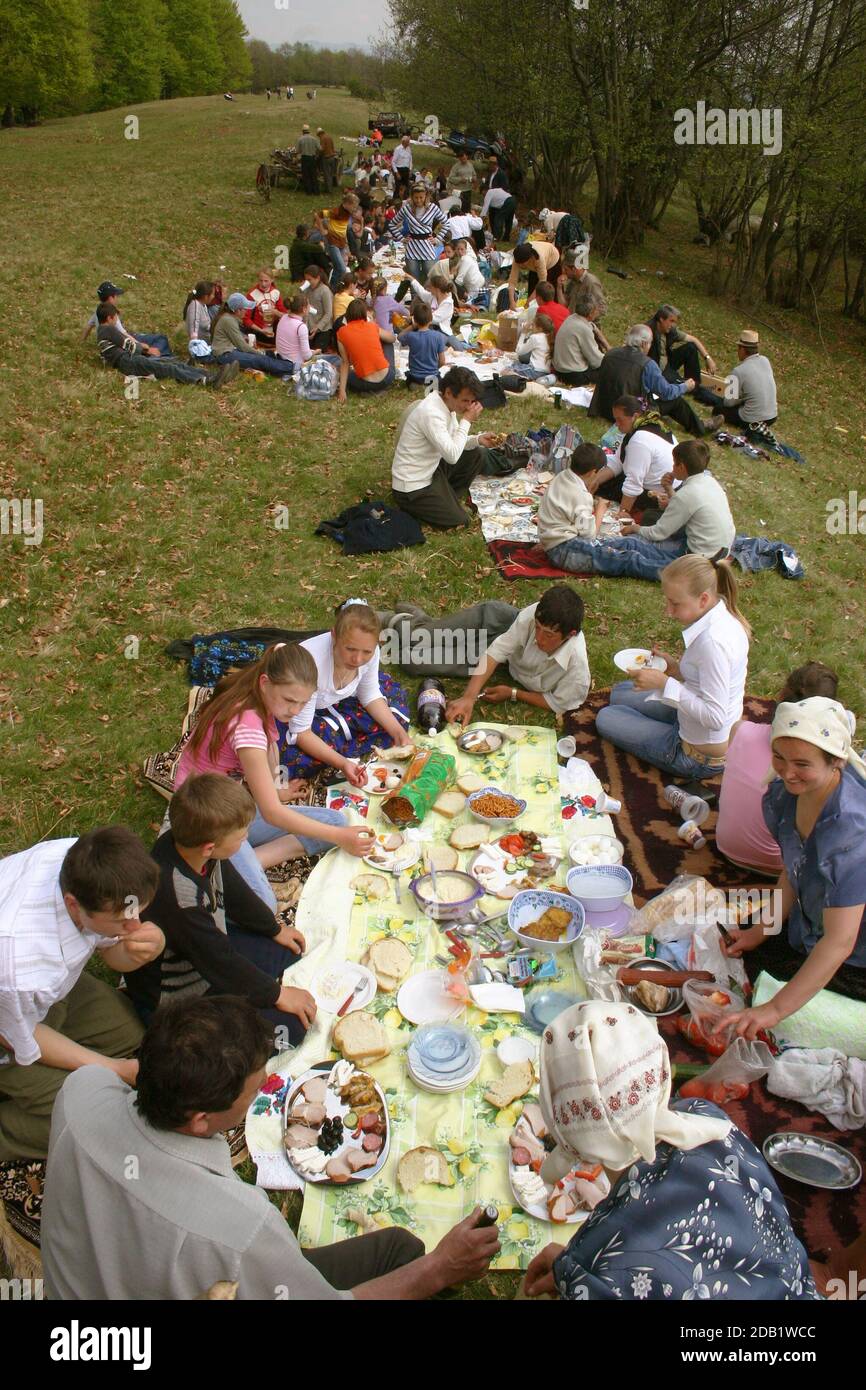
point(335, 1124)
point(567, 1202)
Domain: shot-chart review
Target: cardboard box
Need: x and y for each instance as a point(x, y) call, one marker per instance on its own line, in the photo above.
point(506, 330)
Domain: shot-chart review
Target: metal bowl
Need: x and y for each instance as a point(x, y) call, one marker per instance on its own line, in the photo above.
point(473, 734)
point(648, 964)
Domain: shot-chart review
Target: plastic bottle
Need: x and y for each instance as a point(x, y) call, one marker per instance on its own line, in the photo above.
point(431, 706)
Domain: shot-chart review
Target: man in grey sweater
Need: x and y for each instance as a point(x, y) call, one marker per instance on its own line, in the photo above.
point(309, 149)
point(755, 401)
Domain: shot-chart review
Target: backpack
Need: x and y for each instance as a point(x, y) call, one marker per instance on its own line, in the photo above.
point(317, 381)
point(564, 444)
point(492, 395)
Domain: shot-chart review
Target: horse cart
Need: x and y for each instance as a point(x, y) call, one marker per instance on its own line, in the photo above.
point(281, 164)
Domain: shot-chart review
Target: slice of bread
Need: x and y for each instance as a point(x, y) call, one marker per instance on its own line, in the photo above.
point(471, 782)
point(442, 857)
point(423, 1165)
point(469, 836)
point(373, 886)
point(450, 804)
point(390, 961)
point(361, 1038)
point(514, 1082)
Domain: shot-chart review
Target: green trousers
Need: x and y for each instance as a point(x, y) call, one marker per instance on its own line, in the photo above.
point(92, 1014)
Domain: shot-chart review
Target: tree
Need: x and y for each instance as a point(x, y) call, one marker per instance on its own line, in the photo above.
point(237, 69)
point(194, 64)
point(128, 52)
point(46, 67)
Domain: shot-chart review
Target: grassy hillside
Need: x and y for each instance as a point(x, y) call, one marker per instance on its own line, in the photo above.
point(156, 513)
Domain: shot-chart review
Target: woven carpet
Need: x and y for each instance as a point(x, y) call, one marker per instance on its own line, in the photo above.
point(517, 560)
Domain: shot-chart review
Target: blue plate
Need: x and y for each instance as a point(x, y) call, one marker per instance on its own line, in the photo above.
point(544, 1005)
point(442, 1053)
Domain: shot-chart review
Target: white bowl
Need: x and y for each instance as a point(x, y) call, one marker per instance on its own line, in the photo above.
point(530, 904)
point(579, 854)
point(600, 888)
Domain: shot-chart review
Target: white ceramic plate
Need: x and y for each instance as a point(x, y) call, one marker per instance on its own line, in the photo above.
point(631, 657)
point(372, 787)
point(333, 984)
point(423, 999)
point(396, 860)
point(444, 1090)
point(539, 1209)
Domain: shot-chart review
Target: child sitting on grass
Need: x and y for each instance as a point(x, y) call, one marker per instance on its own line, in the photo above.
point(230, 345)
point(534, 351)
point(568, 508)
point(385, 306)
point(130, 357)
point(347, 291)
point(426, 346)
point(220, 938)
point(293, 339)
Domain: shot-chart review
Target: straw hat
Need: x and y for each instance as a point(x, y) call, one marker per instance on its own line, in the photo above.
point(748, 338)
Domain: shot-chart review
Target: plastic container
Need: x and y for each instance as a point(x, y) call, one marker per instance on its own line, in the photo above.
point(690, 807)
point(601, 888)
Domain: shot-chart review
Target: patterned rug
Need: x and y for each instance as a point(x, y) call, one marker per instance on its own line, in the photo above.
point(646, 825)
point(517, 560)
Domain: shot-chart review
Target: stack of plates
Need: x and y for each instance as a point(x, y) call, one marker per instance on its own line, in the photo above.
point(443, 1057)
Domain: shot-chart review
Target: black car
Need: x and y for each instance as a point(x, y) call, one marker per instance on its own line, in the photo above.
point(391, 124)
point(477, 145)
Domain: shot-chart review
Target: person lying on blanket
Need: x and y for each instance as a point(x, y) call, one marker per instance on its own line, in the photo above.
point(545, 651)
point(220, 938)
point(60, 902)
point(188, 1221)
point(816, 810)
point(679, 719)
point(568, 508)
point(696, 517)
point(355, 706)
point(741, 834)
point(236, 733)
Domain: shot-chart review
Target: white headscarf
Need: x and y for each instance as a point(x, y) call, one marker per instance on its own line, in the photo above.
point(605, 1087)
point(820, 721)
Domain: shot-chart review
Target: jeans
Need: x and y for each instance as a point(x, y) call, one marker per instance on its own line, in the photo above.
point(329, 171)
point(361, 384)
point(258, 362)
point(502, 220)
point(649, 729)
point(530, 373)
point(272, 959)
point(629, 556)
point(261, 832)
point(338, 261)
point(310, 173)
point(157, 340)
point(419, 270)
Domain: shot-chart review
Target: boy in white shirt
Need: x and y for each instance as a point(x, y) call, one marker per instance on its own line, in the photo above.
point(568, 509)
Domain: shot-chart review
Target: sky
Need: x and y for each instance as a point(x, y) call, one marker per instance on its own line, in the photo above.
point(331, 23)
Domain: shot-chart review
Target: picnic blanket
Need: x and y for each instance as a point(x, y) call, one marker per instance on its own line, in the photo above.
point(471, 1133)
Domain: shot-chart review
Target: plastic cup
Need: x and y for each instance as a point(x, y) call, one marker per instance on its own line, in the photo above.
point(607, 805)
point(566, 747)
point(690, 832)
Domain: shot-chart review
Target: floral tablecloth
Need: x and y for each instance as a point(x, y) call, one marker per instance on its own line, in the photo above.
point(471, 1133)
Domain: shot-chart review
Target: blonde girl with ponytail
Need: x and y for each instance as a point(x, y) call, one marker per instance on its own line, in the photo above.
point(679, 719)
point(236, 734)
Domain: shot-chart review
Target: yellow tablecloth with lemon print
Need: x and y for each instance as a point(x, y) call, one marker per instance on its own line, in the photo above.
point(470, 1132)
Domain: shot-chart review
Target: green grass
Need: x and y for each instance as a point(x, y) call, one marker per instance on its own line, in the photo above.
point(156, 512)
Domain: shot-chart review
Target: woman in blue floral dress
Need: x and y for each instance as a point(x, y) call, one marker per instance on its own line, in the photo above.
point(693, 1211)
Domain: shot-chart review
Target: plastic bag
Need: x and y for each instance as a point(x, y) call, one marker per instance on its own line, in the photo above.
point(705, 953)
point(742, 1061)
point(687, 902)
point(317, 381)
point(599, 979)
point(710, 1005)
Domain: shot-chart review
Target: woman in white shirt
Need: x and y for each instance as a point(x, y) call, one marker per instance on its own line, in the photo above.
point(355, 708)
point(680, 719)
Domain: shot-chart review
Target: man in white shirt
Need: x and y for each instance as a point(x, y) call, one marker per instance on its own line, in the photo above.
point(499, 206)
point(466, 272)
point(463, 224)
point(645, 458)
point(435, 456)
point(182, 1220)
point(545, 651)
point(59, 902)
point(401, 164)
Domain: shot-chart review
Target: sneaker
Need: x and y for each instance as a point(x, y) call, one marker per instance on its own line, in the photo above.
point(226, 373)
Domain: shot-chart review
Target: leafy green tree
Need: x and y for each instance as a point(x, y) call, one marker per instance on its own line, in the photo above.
point(194, 64)
point(237, 69)
point(128, 52)
point(46, 65)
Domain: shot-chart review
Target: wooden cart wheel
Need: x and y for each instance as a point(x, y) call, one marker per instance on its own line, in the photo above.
point(263, 182)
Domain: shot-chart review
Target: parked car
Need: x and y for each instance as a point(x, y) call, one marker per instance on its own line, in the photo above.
point(477, 144)
point(391, 124)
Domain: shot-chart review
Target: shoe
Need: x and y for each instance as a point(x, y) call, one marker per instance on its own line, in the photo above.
point(412, 609)
point(716, 423)
point(226, 373)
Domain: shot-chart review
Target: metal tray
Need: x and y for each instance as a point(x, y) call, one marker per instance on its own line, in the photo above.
point(811, 1160)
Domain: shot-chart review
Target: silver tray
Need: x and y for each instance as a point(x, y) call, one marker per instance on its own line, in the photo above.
point(648, 964)
point(813, 1161)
